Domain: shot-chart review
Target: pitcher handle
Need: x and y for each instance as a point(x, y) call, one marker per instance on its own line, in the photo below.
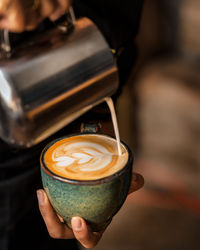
point(5, 44)
point(69, 22)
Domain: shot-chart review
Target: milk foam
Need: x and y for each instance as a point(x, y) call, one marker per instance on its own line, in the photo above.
point(85, 157)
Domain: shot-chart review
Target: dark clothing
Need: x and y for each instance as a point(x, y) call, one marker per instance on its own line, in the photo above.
point(21, 225)
point(118, 20)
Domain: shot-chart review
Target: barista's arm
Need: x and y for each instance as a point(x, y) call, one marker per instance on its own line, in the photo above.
point(22, 15)
point(57, 228)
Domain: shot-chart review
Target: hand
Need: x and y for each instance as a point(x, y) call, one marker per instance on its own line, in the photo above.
point(22, 15)
point(57, 228)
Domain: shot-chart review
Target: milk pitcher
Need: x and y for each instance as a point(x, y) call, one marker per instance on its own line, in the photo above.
point(52, 78)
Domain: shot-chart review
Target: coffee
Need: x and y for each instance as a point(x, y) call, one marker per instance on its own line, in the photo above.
point(85, 157)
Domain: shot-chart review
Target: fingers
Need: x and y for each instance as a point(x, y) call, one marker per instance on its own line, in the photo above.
point(10, 23)
point(19, 15)
point(12, 17)
point(58, 230)
point(87, 238)
point(63, 6)
point(55, 227)
point(4, 5)
point(47, 7)
point(136, 183)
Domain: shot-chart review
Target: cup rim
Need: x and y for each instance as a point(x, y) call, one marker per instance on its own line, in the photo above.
point(128, 164)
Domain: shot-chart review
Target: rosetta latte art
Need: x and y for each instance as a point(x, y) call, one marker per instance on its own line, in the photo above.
point(85, 157)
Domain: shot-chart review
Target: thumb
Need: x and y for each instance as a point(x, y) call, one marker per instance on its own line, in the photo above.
point(87, 238)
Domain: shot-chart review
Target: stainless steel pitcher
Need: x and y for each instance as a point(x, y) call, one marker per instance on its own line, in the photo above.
point(53, 78)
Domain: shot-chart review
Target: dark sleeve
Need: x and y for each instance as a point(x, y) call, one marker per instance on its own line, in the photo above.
point(118, 20)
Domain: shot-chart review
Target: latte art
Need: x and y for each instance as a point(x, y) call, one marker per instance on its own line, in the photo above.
point(88, 153)
point(85, 157)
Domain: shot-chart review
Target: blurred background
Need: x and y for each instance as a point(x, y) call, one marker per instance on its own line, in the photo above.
point(163, 129)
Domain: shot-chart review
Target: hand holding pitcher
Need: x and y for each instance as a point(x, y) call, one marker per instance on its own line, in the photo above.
point(23, 15)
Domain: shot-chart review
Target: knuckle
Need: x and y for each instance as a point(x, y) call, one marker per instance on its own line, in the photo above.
point(55, 235)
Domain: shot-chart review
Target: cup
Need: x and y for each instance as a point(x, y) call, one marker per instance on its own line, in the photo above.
point(96, 201)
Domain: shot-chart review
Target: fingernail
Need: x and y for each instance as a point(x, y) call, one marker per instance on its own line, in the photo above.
point(77, 224)
point(40, 197)
point(134, 177)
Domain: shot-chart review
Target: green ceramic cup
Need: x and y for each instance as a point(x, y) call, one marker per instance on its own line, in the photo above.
point(96, 201)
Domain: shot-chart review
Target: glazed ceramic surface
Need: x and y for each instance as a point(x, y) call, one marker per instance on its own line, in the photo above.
point(97, 201)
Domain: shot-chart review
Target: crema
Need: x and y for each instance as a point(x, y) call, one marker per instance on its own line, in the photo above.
point(85, 157)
